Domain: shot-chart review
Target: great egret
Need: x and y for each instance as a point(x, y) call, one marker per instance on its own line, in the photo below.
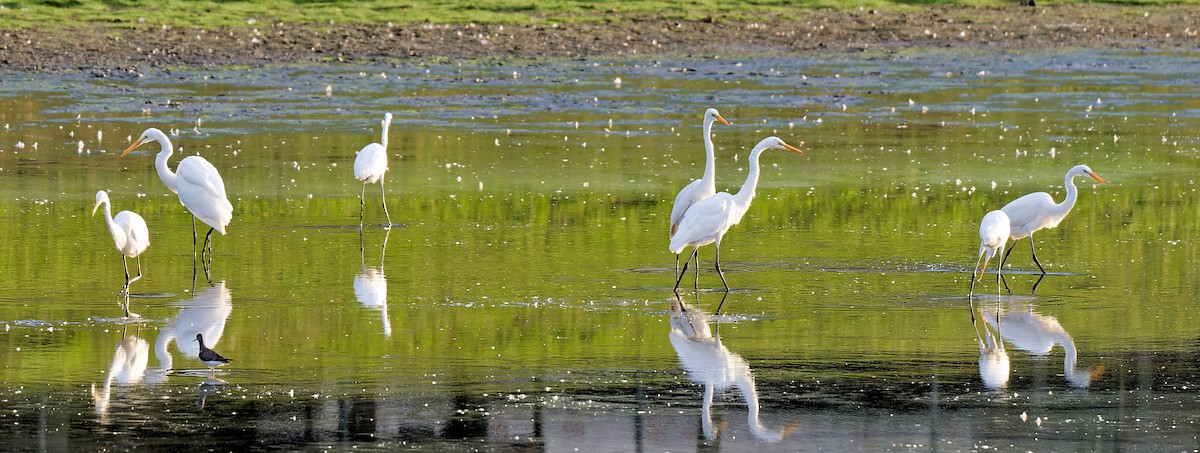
point(129, 233)
point(200, 188)
point(701, 188)
point(993, 235)
point(369, 167)
point(209, 356)
point(1038, 210)
point(707, 221)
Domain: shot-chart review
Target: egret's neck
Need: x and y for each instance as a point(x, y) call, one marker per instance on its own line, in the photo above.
point(108, 218)
point(746, 193)
point(750, 394)
point(383, 139)
point(710, 159)
point(160, 163)
point(1072, 194)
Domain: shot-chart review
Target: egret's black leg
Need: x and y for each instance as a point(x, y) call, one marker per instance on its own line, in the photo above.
point(193, 237)
point(696, 284)
point(1034, 253)
point(719, 271)
point(677, 264)
point(362, 202)
point(207, 250)
point(684, 271)
point(1009, 252)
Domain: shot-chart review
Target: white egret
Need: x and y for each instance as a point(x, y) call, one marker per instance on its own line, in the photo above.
point(129, 233)
point(209, 356)
point(369, 167)
point(200, 188)
point(707, 221)
point(1038, 210)
point(993, 235)
point(701, 188)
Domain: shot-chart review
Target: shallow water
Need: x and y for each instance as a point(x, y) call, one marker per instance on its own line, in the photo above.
point(528, 299)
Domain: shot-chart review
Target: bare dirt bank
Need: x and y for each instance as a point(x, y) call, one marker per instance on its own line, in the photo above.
point(106, 50)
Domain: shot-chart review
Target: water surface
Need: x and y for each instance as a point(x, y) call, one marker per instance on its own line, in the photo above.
point(523, 298)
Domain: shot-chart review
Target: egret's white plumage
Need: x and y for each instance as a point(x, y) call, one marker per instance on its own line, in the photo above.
point(198, 184)
point(993, 234)
point(129, 234)
point(707, 221)
point(1038, 210)
point(701, 188)
point(370, 166)
point(128, 229)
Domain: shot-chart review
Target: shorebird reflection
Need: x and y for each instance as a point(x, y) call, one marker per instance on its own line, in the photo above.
point(370, 286)
point(128, 367)
point(205, 313)
point(209, 387)
point(711, 364)
point(1038, 334)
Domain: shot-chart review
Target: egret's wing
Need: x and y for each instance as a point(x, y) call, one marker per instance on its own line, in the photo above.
point(1027, 209)
point(690, 194)
point(703, 222)
point(202, 191)
point(135, 229)
point(370, 163)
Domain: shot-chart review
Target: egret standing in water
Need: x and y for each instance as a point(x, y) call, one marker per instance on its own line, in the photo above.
point(369, 167)
point(707, 221)
point(993, 235)
point(1038, 210)
point(701, 188)
point(200, 188)
point(130, 235)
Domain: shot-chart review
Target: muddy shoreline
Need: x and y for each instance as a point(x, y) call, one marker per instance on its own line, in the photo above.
point(107, 51)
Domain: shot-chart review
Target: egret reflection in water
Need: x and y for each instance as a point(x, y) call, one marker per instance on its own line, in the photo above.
point(994, 364)
point(128, 368)
point(370, 285)
point(204, 313)
point(1038, 334)
point(709, 363)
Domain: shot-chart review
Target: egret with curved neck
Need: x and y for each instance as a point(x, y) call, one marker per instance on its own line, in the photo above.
point(1038, 210)
point(370, 166)
point(129, 234)
point(707, 221)
point(993, 235)
point(198, 184)
point(701, 188)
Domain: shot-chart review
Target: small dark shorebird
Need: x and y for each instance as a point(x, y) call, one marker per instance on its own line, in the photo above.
point(209, 356)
